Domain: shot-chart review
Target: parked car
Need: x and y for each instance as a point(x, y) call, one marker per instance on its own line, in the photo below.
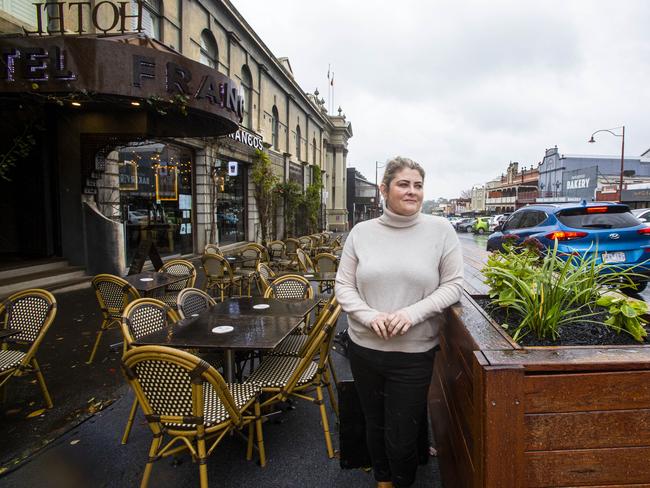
point(498, 219)
point(609, 229)
point(466, 225)
point(481, 225)
point(462, 220)
point(643, 214)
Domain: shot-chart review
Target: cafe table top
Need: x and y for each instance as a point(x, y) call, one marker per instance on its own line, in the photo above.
point(213, 331)
point(152, 280)
point(258, 306)
point(311, 276)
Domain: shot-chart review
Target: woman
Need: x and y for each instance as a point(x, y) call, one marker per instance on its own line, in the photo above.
point(397, 275)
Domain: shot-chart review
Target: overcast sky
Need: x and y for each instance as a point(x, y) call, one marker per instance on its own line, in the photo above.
point(464, 87)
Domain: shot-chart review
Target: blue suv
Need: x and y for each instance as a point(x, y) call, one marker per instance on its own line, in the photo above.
point(609, 229)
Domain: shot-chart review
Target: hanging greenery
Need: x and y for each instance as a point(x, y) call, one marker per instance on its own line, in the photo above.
point(290, 195)
point(313, 199)
point(19, 147)
point(265, 181)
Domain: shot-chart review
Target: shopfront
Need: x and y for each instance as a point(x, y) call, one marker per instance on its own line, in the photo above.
point(156, 197)
point(230, 184)
point(110, 167)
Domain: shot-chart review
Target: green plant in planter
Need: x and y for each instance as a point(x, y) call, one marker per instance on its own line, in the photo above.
point(545, 289)
point(625, 314)
point(502, 267)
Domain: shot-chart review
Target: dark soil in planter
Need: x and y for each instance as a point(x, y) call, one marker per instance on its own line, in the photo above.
point(579, 333)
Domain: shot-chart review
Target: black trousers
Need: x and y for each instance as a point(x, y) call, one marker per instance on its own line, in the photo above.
point(392, 388)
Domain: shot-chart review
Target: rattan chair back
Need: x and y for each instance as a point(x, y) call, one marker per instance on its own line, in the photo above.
point(216, 266)
point(277, 249)
point(265, 273)
point(192, 301)
point(291, 245)
point(31, 312)
point(326, 262)
point(180, 267)
point(304, 261)
point(212, 249)
point(264, 253)
point(144, 316)
point(289, 286)
point(113, 294)
point(305, 243)
point(250, 256)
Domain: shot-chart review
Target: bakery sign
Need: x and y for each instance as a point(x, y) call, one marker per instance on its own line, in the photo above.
point(70, 17)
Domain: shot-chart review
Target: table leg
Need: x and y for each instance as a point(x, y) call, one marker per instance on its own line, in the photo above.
point(229, 365)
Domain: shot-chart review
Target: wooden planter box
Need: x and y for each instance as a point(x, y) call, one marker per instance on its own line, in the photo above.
point(509, 416)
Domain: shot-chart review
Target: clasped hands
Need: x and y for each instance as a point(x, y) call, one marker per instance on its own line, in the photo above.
point(387, 325)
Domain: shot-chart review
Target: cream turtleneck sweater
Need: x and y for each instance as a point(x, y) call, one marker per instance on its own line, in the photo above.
point(399, 262)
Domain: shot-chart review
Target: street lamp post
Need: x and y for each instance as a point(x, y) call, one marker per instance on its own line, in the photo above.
point(622, 136)
point(377, 166)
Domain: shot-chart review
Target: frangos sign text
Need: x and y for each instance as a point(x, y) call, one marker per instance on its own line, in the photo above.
point(104, 16)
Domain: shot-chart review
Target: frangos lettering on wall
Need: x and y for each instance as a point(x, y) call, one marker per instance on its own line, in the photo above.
point(179, 81)
point(104, 16)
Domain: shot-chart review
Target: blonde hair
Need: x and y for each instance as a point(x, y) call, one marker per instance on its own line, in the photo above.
point(396, 165)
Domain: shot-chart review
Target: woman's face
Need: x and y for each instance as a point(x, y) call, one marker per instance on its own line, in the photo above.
point(405, 194)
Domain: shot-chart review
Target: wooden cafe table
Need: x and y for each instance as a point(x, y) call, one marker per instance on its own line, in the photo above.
point(237, 324)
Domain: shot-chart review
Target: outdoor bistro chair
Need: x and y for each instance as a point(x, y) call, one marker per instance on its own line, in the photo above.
point(282, 377)
point(306, 244)
point(186, 400)
point(295, 345)
point(278, 255)
point(219, 274)
point(113, 294)
point(141, 317)
point(265, 274)
point(177, 267)
point(289, 286)
point(291, 245)
point(305, 263)
point(31, 312)
point(264, 252)
point(212, 249)
point(251, 256)
point(192, 301)
point(326, 263)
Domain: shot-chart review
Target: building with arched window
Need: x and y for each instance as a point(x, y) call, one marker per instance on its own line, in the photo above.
point(162, 160)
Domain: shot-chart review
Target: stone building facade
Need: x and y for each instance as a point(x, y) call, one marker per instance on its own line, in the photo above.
point(198, 187)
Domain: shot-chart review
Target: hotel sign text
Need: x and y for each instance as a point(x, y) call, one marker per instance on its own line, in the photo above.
point(104, 16)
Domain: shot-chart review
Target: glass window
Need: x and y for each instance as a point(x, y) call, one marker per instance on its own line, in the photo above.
point(532, 219)
point(298, 140)
point(313, 151)
point(611, 218)
point(209, 54)
point(156, 197)
point(230, 211)
point(247, 91)
point(151, 15)
point(275, 128)
point(514, 222)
